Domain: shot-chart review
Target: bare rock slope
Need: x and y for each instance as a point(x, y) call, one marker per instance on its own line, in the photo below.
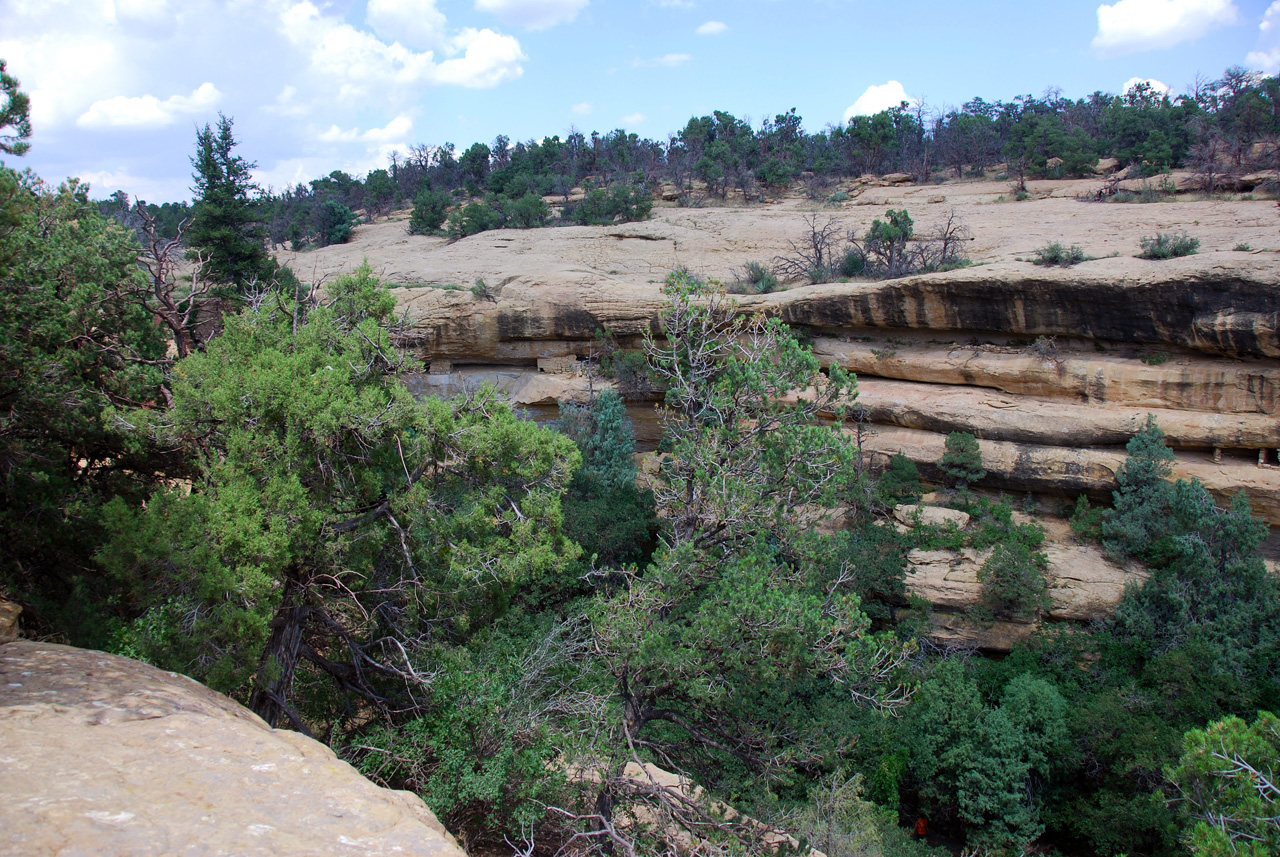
point(101, 755)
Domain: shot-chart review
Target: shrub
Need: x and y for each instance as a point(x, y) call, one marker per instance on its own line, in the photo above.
point(429, 210)
point(1168, 245)
point(854, 263)
point(473, 218)
point(962, 461)
point(755, 278)
point(621, 203)
point(528, 212)
point(1013, 584)
point(1056, 254)
point(334, 223)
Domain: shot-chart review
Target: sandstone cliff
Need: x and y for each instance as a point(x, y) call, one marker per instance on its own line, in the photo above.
point(101, 755)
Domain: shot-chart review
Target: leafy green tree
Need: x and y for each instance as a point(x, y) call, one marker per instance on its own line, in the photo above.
point(73, 348)
point(962, 461)
point(334, 223)
point(474, 218)
point(1013, 584)
point(899, 483)
point(528, 212)
point(886, 243)
point(1229, 781)
point(15, 115)
point(335, 524)
point(379, 193)
point(430, 207)
point(604, 511)
point(720, 649)
point(226, 225)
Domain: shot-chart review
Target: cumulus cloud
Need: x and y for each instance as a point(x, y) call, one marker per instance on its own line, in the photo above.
point(877, 98)
point(712, 28)
point(361, 65)
point(664, 61)
point(147, 111)
point(582, 108)
point(1156, 85)
point(415, 23)
point(632, 119)
point(1266, 55)
point(1143, 25)
point(395, 131)
point(533, 14)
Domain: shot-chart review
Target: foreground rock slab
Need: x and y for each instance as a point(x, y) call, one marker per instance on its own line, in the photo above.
point(102, 755)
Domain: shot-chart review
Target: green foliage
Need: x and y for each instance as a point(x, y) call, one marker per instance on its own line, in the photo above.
point(226, 225)
point(15, 115)
point(987, 765)
point(1086, 521)
point(899, 483)
point(482, 754)
point(726, 647)
point(756, 278)
point(962, 461)
point(323, 505)
point(527, 212)
point(620, 203)
point(604, 511)
point(1168, 245)
point(1063, 257)
point(1013, 584)
point(885, 243)
point(1139, 522)
point(336, 222)
point(430, 207)
point(474, 218)
point(72, 348)
point(1229, 779)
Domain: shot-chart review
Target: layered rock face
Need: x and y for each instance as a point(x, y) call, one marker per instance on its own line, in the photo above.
point(101, 755)
point(1053, 370)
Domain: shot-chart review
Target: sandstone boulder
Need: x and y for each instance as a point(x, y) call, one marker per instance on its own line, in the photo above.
point(101, 755)
point(9, 613)
point(935, 516)
point(1106, 166)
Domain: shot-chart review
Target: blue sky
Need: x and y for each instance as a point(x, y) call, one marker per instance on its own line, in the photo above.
point(118, 87)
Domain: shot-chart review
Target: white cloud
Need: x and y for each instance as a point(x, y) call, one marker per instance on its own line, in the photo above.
point(1156, 85)
point(361, 66)
point(395, 132)
point(712, 28)
point(583, 108)
point(1266, 55)
point(147, 111)
point(414, 23)
point(665, 61)
point(533, 14)
point(1144, 25)
point(633, 119)
point(877, 98)
point(103, 183)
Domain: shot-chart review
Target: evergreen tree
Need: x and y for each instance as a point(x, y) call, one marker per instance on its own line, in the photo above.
point(962, 461)
point(226, 225)
point(15, 115)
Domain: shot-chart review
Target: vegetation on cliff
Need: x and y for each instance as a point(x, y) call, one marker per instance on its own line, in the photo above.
point(269, 510)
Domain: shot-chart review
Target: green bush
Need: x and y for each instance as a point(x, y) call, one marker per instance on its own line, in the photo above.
point(1056, 254)
point(1168, 245)
point(962, 462)
point(1013, 584)
point(621, 203)
point(473, 218)
point(429, 210)
point(854, 263)
point(756, 278)
point(528, 212)
point(335, 222)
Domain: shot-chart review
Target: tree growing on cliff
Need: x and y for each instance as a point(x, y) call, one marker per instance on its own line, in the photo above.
point(723, 651)
point(335, 525)
point(962, 461)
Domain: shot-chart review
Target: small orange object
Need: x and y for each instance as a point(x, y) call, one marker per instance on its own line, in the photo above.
point(922, 826)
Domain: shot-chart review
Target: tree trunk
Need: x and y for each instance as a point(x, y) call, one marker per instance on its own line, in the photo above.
point(270, 698)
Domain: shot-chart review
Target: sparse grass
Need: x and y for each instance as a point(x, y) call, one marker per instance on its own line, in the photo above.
point(1056, 255)
point(1168, 245)
point(1242, 248)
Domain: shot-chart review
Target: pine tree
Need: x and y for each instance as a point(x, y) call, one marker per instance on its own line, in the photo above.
point(15, 115)
point(226, 226)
